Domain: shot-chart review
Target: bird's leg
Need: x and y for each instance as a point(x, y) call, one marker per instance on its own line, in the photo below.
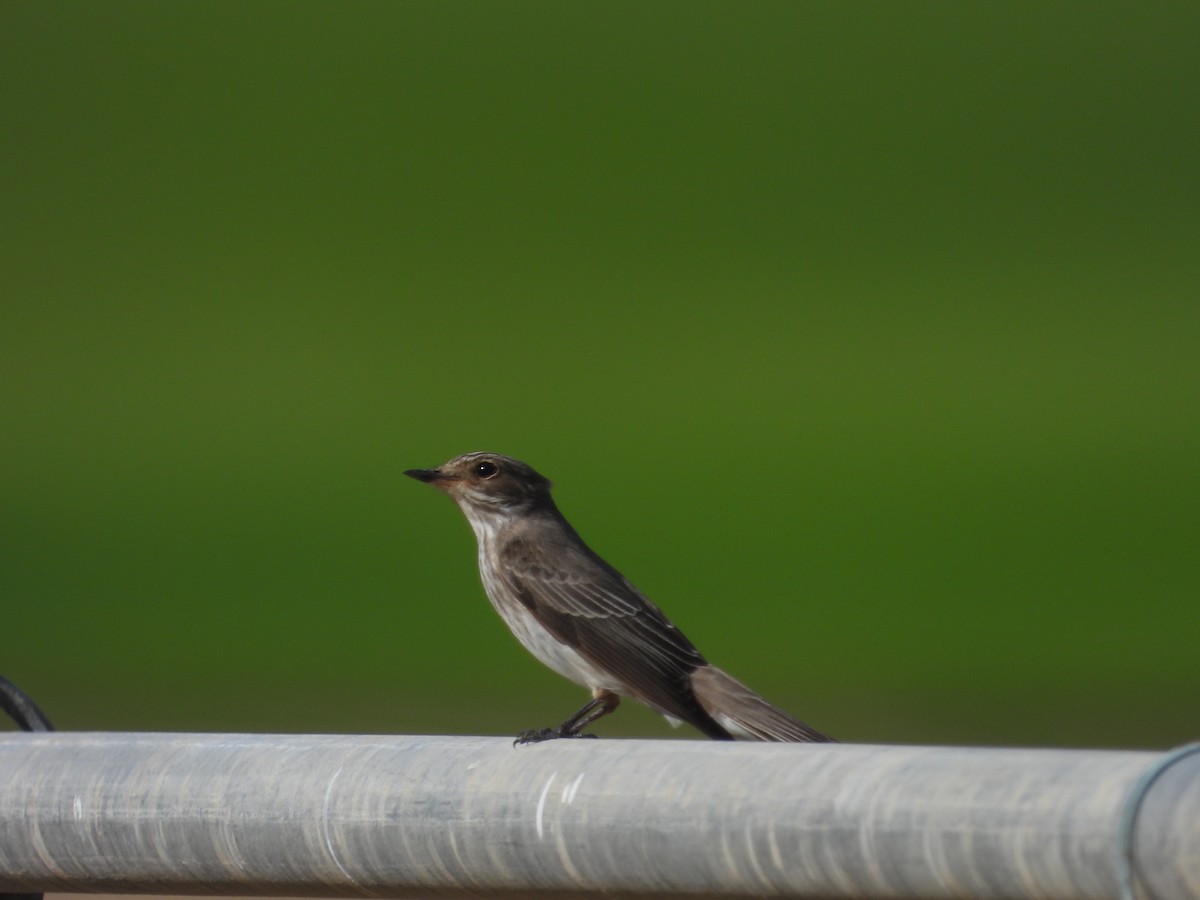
point(602, 703)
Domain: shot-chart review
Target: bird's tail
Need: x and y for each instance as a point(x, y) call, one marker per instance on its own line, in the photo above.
point(744, 714)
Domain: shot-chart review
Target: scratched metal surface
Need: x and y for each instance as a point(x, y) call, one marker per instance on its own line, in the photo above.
point(469, 816)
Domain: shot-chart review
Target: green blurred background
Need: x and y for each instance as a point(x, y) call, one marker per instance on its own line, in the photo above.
point(863, 337)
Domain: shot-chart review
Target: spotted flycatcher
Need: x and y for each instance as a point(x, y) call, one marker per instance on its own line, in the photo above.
point(583, 619)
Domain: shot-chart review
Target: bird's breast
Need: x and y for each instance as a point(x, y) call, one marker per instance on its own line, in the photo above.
point(539, 640)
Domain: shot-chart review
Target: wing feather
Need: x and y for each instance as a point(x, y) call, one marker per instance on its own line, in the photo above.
point(591, 607)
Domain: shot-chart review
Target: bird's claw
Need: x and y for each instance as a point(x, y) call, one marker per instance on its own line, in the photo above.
point(537, 735)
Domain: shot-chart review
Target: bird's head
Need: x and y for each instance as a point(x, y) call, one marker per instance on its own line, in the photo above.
point(488, 483)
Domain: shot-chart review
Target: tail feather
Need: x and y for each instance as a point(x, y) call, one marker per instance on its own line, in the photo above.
point(743, 713)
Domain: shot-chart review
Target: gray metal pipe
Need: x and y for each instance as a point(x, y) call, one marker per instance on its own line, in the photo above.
point(455, 816)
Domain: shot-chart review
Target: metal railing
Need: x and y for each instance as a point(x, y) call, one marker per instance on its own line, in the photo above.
point(469, 816)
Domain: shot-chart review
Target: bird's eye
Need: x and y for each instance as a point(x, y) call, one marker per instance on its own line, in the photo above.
point(486, 469)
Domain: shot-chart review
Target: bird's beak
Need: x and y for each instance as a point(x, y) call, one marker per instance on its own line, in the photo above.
point(429, 476)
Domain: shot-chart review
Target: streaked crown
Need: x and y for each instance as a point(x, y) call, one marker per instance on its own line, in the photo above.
point(488, 481)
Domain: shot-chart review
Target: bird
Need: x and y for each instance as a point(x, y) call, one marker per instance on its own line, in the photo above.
point(583, 619)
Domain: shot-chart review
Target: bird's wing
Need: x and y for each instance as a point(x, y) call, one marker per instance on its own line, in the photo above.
point(593, 609)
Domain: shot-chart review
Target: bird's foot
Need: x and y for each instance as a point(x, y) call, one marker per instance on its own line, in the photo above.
point(537, 735)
